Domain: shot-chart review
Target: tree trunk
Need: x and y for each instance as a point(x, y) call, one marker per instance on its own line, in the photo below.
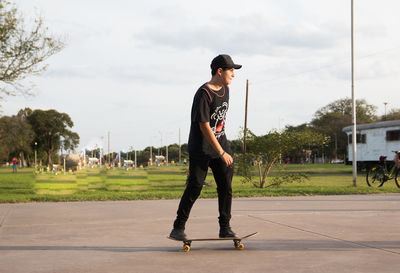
point(22, 160)
point(266, 172)
point(259, 173)
point(49, 159)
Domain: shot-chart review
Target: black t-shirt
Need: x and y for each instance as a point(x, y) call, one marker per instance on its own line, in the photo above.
point(208, 106)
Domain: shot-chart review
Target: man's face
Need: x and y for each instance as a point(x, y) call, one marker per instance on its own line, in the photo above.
point(227, 75)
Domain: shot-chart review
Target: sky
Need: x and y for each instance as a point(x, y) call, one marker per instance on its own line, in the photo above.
point(131, 67)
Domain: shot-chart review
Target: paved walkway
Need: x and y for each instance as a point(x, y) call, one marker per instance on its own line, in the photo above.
point(355, 233)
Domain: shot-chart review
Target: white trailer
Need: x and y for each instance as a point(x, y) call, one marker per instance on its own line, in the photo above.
point(374, 140)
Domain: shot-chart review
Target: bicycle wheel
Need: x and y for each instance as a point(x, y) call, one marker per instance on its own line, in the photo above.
point(376, 176)
point(397, 177)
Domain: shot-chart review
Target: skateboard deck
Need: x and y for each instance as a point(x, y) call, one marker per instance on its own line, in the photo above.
point(237, 241)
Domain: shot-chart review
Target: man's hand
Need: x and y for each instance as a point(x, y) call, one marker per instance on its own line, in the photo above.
point(209, 135)
point(227, 158)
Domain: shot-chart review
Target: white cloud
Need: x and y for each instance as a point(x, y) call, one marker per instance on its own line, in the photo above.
point(248, 35)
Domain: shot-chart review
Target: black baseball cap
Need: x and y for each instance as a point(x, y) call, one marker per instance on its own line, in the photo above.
point(224, 61)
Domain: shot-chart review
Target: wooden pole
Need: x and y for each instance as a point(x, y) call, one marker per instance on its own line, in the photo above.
point(245, 117)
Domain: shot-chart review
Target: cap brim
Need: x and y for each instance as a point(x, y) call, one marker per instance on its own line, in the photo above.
point(235, 66)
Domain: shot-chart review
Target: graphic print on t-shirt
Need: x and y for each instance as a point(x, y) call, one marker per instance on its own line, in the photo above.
point(217, 120)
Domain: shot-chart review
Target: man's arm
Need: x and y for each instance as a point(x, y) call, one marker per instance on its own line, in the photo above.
point(209, 135)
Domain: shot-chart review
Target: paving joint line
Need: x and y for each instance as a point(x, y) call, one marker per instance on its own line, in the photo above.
point(323, 235)
point(4, 217)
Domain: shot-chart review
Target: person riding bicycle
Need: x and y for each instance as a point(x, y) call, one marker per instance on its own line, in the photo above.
point(396, 159)
point(381, 172)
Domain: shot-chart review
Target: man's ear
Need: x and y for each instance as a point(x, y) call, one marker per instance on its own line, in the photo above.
point(219, 71)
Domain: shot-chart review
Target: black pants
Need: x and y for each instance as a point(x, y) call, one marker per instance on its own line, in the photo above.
point(197, 174)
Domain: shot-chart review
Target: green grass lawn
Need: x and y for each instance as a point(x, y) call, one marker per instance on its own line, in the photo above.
point(168, 183)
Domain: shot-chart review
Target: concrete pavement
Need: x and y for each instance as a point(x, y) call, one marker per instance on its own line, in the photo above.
point(353, 233)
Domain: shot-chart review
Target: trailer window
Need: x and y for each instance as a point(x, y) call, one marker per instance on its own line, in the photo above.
point(361, 138)
point(393, 135)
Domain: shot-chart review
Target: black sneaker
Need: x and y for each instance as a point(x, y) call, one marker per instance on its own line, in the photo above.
point(226, 232)
point(178, 234)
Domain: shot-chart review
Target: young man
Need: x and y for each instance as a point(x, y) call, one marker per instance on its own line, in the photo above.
point(209, 147)
point(397, 159)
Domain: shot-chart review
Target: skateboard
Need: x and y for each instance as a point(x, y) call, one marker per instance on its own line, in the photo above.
point(237, 241)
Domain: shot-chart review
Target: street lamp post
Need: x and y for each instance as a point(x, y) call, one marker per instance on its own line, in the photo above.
point(354, 119)
point(135, 160)
point(385, 103)
point(35, 155)
point(160, 143)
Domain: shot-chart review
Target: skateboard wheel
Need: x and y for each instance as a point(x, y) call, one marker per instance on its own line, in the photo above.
point(186, 248)
point(239, 246)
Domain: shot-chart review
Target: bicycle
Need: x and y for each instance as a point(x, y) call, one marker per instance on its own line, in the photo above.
point(378, 174)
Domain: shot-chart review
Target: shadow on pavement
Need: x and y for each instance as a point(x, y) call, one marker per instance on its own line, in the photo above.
point(254, 245)
point(88, 248)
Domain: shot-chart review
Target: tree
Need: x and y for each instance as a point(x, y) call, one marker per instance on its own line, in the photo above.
point(265, 151)
point(236, 146)
point(393, 114)
point(23, 51)
point(142, 157)
point(16, 136)
point(51, 131)
point(332, 118)
point(365, 112)
point(300, 155)
point(173, 153)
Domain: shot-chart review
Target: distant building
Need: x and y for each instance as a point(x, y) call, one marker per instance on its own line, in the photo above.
point(159, 159)
point(129, 164)
point(374, 140)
